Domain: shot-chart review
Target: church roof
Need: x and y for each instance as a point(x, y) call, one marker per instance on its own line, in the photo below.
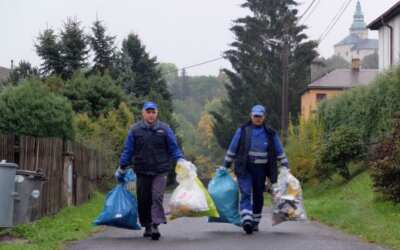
point(358, 43)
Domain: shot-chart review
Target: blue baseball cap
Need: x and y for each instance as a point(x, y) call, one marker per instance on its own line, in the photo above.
point(149, 105)
point(258, 110)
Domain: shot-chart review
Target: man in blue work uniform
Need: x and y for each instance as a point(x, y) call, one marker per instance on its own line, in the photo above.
point(257, 152)
point(151, 147)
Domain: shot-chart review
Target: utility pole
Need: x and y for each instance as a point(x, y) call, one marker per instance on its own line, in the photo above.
point(285, 90)
point(183, 86)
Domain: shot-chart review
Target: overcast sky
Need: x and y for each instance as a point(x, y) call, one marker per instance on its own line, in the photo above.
point(184, 32)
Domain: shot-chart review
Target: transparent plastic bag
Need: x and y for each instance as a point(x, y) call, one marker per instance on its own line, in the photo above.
point(288, 200)
point(190, 198)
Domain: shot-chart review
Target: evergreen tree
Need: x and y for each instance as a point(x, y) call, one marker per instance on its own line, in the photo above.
point(23, 71)
point(103, 48)
point(141, 74)
point(74, 49)
point(256, 59)
point(48, 49)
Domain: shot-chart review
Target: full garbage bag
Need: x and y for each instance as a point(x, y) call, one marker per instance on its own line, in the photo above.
point(288, 200)
point(225, 193)
point(120, 208)
point(190, 198)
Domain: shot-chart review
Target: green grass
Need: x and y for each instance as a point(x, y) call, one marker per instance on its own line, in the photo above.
point(353, 208)
point(73, 223)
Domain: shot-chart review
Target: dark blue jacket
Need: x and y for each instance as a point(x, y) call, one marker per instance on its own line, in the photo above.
point(256, 145)
point(151, 149)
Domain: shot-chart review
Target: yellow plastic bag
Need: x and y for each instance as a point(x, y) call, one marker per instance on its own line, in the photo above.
point(190, 198)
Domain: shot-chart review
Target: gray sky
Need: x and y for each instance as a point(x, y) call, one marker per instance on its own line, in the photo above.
point(184, 32)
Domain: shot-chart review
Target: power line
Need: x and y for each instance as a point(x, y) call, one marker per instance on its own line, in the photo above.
point(335, 20)
point(312, 11)
point(308, 8)
point(194, 65)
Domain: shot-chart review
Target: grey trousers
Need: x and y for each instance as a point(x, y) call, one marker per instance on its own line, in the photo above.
point(150, 194)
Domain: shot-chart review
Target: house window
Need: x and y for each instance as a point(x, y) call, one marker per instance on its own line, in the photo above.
point(321, 97)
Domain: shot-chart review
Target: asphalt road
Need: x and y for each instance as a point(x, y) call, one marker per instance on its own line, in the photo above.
point(196, 233)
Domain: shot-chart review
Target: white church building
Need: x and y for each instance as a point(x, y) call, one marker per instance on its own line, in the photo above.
point(357, 44)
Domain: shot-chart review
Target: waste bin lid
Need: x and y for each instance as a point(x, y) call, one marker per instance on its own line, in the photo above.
point(32, 174)
point(4, 164)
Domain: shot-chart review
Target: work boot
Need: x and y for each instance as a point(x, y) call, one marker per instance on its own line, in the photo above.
point(155, 234)
point(248, 227)
point(147, 231)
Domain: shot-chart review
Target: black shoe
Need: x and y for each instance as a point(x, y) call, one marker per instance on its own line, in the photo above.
point(255, 228)
point(155, 234)
point(248, 227)
point(147, 232)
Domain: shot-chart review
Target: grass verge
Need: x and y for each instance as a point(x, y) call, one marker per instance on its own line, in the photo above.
point(72, 223)
point(354, 208)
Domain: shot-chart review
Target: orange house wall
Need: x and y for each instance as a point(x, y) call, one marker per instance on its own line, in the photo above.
point(309, 100)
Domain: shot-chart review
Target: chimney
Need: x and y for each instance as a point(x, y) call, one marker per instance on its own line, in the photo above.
point(355, 64)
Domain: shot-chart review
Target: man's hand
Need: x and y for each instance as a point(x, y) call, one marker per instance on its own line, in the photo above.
point(227, 164)
point(120, 174)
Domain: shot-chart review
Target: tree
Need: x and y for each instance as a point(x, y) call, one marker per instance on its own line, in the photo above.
point(94, 95)
point(23, 71)
point(74, 51)
point(108, 132)
point(48, 49)
point(103, 48)
point(256, 58)
point(146, 73)
point(370, 61)
point(31, 109)
point(169, 72)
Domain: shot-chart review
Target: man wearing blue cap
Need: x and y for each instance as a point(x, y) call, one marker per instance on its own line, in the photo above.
point(257, 152)
point(151, 147)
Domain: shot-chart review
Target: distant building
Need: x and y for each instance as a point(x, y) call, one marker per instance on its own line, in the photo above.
point(4, 73)
point(388, 26)
point(333, 84)
point(357, 44)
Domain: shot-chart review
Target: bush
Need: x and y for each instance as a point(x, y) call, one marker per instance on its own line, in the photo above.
point(95, 95)
point(302, 148)
point(343, 146)
point(369, 109)
point(31, 109)
point(106, 133)
point(386, 166)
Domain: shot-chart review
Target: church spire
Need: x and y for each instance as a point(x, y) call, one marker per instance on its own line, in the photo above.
point(359, 27)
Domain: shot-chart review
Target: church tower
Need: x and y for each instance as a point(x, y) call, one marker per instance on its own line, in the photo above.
point(359, 27)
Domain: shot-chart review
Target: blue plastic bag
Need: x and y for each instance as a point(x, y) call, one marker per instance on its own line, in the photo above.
point(225, 193)
point(120, 208)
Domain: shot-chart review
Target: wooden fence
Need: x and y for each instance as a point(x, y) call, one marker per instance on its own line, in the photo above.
point(73, 171)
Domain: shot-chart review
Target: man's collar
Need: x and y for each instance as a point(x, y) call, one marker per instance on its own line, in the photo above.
point(144, 124)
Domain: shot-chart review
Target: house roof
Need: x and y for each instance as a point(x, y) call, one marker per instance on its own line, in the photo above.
point(359, 43)
point(344, 79)
point(385, 17)
point(4, 72)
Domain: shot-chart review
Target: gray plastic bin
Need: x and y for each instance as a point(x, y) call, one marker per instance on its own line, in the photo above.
point(7, 176)
point(28, 186)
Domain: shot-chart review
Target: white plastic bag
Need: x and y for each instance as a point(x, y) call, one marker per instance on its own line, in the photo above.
point(188, 199)
point(288, 200)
